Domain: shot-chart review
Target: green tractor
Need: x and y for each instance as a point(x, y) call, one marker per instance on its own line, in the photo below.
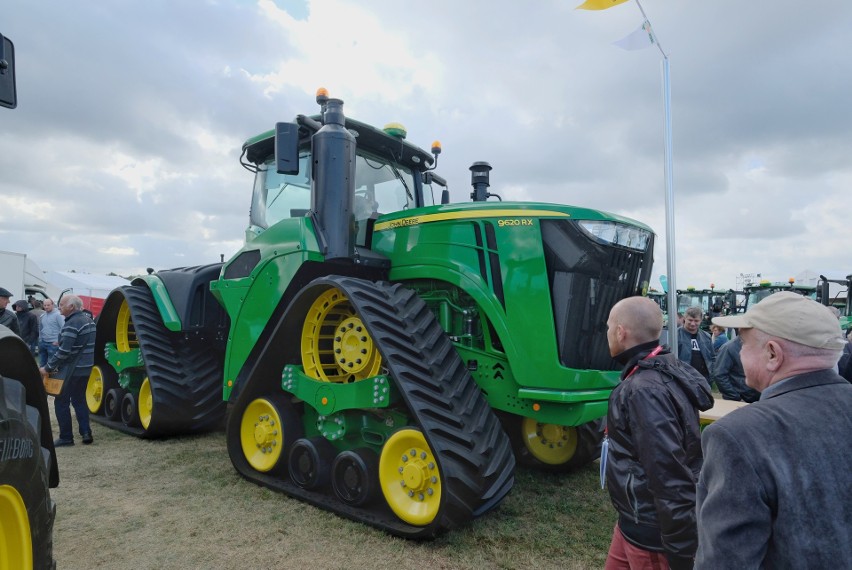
point(755, 293)
point(712, 302)
point(381, 355)
point(843, 304)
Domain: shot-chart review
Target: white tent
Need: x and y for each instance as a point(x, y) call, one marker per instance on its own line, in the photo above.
point(97, 286)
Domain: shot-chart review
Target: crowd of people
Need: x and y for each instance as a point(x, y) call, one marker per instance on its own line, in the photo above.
point(765, 486)
point(63, 339)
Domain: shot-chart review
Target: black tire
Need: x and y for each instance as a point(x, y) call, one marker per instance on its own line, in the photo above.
point(112, 404)
point(354, 476)
point(24, 482)
point(130, 410)
point(310, 462)
point(589, 436)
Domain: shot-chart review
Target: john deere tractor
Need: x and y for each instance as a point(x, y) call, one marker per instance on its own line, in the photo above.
point(381, 355)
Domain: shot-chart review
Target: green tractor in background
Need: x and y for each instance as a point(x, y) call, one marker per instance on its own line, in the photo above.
point(755, 293)
point(843, 304)
point(380, 355)
point(712, 302)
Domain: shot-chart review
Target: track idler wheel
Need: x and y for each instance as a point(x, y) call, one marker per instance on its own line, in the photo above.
point(268, 429)
point(410, 478)
point(354, 476)
point(112, 403)
point(129, 410)
point(310, 462)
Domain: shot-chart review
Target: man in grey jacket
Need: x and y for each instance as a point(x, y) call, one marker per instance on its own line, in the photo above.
point(694, 346)
point(774, 490)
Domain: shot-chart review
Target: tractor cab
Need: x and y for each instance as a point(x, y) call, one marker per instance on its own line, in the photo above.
point(391, 175)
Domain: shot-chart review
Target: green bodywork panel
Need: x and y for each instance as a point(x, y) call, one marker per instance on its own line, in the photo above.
point(439, 246)
point(251, 300)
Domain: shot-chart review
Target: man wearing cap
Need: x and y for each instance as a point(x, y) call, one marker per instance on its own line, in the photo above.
point(775, 488)
point(7, 317)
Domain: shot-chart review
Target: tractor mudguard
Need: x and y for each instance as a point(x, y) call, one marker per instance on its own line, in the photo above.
point(183, 297)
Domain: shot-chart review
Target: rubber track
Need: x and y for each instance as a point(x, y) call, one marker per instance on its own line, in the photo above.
point(474, 454)
point(185, 376)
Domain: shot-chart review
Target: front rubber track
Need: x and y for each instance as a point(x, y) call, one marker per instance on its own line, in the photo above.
point(185, 375)
point(474, 453)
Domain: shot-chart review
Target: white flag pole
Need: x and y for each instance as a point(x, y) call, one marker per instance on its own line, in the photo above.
point(670, 227)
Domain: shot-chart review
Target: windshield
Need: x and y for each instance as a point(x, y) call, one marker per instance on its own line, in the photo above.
point(381, 187)
point(687, 300)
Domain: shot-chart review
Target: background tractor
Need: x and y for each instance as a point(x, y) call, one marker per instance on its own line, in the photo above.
point(755, 293)
point(381, 355)
point(843, 304)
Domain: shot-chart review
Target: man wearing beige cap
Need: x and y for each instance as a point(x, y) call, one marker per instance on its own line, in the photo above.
point(774, 491)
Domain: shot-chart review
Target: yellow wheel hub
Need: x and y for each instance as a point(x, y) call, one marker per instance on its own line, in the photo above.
point(16, 547)
point(261, 436)
point(336, 346)
point(549, 443)
point(125, 333)
point(410, 478)
point(95, 390)
point(145, 403)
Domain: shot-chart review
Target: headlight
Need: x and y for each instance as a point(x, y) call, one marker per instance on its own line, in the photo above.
point(616, 233)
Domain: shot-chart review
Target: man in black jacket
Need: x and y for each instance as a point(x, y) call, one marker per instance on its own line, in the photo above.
point(653, 443)
point(729, 376)
point(28, 323)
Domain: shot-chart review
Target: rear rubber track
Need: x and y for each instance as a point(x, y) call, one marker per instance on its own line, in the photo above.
point(185, 375)
point(474, 453)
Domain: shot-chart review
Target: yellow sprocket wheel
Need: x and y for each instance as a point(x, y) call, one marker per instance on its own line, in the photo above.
point(262, 435)
point(336, 346)
point(551, 444)
point(95, 390)
point(145, 403)
point(16, 548)
point(125, 333)
point(410, 478)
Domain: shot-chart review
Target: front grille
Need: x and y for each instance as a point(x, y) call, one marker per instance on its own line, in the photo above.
point(586, 279)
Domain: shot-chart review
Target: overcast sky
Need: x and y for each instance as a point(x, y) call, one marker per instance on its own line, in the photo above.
point(123, 151)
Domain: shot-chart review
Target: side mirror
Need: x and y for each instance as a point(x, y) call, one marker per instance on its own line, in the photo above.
point(287, 148)
point(8, 94)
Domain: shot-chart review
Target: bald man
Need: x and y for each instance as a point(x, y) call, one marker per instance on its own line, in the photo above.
point(653, 443)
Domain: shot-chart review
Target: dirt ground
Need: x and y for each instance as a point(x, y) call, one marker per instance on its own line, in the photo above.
point(127, 503)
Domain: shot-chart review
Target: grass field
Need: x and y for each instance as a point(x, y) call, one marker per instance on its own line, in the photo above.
point(126, 503)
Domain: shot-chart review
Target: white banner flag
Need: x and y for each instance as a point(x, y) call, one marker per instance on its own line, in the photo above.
point(641, 38)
